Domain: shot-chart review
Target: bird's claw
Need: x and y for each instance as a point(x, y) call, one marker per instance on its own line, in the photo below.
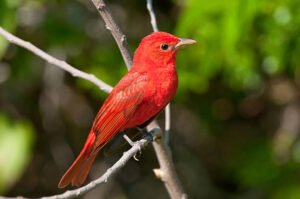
point(139, 153)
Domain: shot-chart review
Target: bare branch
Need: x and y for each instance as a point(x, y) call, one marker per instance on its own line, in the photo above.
point(59, 63)
point(136, 148)
point(118, 35)
point(167, 123)
point(166, 173)
point(152, 15)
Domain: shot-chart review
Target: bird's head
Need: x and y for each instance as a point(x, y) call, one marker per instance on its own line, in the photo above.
point(159, 48)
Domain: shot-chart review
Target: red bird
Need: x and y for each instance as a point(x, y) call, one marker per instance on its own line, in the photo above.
point(139, 96)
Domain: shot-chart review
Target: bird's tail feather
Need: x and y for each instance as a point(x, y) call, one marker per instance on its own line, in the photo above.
point(80, 168)
point(78, 171)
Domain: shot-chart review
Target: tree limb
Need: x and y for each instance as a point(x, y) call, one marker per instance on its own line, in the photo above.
point(167, 123)
point(114, 29)
point(152, 15)
point(59, 63)
point(52, 60)
point(166, 173)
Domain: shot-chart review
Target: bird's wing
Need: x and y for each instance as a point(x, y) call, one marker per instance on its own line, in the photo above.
point(113, 116)
point(116, 111)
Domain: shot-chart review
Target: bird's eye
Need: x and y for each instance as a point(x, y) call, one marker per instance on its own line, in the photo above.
point(164, 46)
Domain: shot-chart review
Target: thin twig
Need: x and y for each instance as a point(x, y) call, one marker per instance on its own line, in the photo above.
point(167, 124)
point(137, 146)
point(59, 63)
point(152, 15)
point(114, 29)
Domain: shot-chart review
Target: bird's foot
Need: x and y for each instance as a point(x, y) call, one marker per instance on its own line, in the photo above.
point(142, 130)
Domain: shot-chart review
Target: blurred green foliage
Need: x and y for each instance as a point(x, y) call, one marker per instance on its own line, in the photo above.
point(242, 40)
point(235, 119)
point(7, 19)
point(16, 139)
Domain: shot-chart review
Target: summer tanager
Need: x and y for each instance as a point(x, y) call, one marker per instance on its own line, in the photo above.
point(138, 97)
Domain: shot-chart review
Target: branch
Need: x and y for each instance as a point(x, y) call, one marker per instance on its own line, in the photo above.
point(59, 63)
point(166, 173)
point(167, 123)
point(152, 15)
point(136, 147)
point(116, 32)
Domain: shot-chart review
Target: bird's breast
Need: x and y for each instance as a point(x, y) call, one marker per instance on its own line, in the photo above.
point(162, 88)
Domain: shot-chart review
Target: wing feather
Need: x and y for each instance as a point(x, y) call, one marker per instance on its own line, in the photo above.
point(116, 111)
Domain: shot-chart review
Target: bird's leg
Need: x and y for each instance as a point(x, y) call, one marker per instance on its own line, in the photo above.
point(142, 130)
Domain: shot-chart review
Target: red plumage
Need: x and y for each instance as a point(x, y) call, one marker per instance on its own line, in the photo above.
point(141, 94)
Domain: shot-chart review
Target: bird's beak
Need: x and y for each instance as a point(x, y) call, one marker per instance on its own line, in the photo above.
point(184, 42)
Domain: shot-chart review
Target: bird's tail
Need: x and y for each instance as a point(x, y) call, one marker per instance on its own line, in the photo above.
point(80, 168)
